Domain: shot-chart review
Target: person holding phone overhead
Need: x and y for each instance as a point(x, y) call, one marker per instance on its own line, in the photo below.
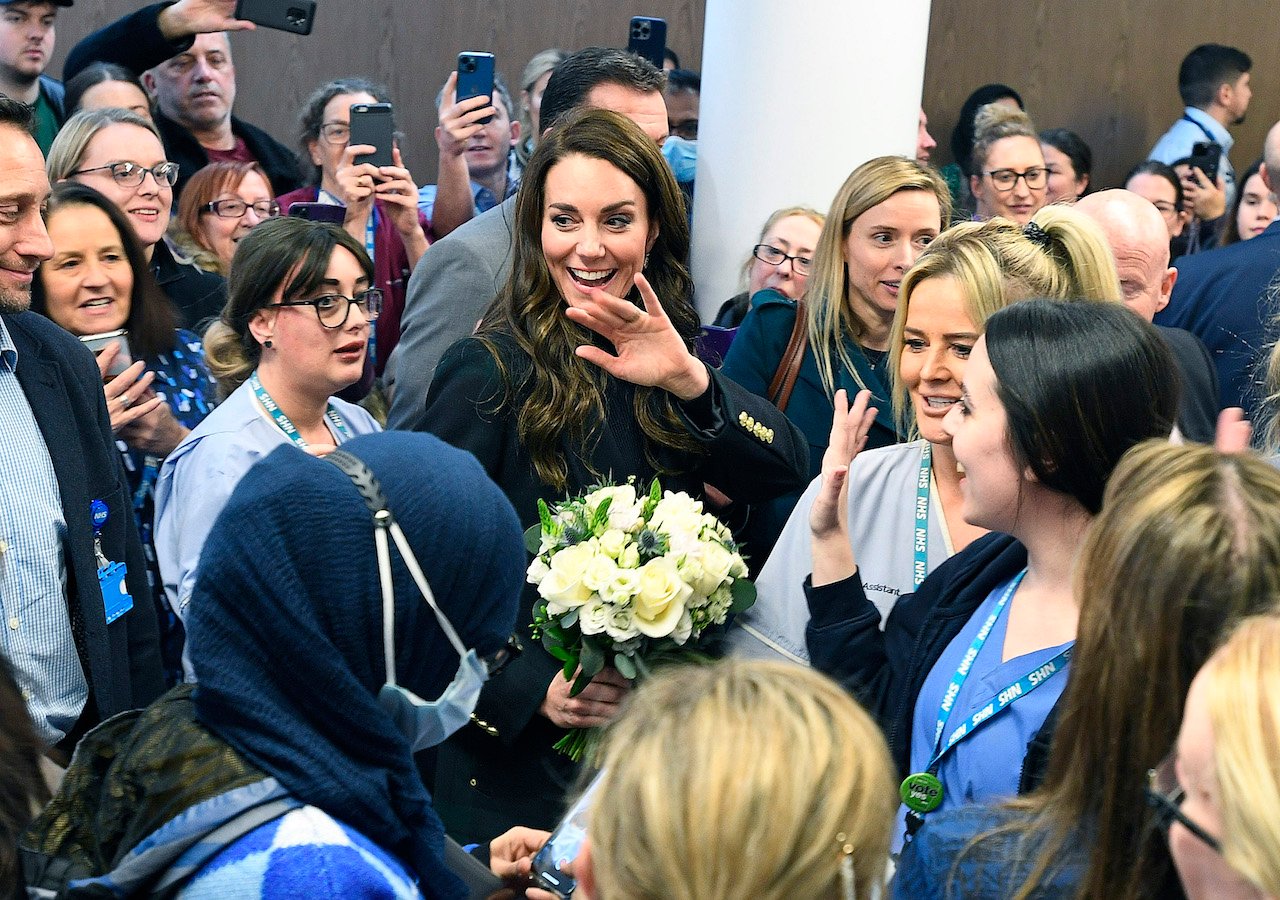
point(97, 282)
point(381, 202)
point(582, 371)
point(295, 332)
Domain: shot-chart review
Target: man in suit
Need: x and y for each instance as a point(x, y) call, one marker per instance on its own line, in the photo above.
point(1227, 298)
point(1139, 240)
point(459, 275)
point(80, 650)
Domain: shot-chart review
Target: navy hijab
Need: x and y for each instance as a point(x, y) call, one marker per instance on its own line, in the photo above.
point(285, 626)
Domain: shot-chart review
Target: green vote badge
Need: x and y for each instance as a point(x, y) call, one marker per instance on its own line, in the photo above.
point(921, 792)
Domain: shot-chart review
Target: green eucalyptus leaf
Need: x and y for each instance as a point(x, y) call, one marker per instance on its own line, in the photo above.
point(744, 595)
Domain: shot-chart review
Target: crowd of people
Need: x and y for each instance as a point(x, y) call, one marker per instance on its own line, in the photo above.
point(998, 442)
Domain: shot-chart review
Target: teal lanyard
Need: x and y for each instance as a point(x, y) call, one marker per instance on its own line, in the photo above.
point(340, 430)
point(922, 516)
point(370, 230)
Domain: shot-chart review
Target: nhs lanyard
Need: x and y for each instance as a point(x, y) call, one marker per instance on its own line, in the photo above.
point(1002, 700)
point(921, 566)
point(282, 421)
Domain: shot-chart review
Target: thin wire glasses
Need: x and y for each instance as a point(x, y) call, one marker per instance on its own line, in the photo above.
point(333, 310)
point(1165, 795)
point(235, 209)
point(1004, 179)
point(767, 253)
point(127, 174)
point(336, 133)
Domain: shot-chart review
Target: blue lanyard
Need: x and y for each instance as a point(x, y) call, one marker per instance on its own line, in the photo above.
point(370, 230)
point(1200, 125)
point(1003, 699)
point(282, 421)
point(922, 515)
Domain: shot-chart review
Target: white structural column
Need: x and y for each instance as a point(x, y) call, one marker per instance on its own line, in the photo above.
point(794, 97)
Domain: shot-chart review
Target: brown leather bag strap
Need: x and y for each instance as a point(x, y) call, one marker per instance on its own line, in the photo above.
point(789, 366)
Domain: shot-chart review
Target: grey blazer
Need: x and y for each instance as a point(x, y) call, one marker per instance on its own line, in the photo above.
point(451, 287)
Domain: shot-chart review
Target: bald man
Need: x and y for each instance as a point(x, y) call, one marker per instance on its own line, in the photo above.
point(1139, 241)
point(1225, 297)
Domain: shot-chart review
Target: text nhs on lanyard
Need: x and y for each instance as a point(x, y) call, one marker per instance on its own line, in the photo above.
point(282, 421)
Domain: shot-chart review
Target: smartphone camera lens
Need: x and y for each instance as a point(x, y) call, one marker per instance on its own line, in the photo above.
point(296, 17)
point(468, 65)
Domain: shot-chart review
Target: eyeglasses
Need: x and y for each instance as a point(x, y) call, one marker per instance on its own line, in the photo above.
point(333, 310)
point(336, 132)
point(1165, 795)
point(1005, 179)
point(127, 174)
point(235, 209)
point(508, 653)
point(767, 253)
point(1168, 210)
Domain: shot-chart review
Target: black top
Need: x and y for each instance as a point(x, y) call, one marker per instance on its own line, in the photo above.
point(198, 295)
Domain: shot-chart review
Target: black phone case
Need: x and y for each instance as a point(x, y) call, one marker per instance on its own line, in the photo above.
point(475, 77)
point(296, 16)
point(371, 124)
point(648, 39)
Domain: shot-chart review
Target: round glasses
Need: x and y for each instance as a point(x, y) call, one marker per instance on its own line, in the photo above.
point(767, 253)
point(127, 174)
point(335, 132)
point(1165, 796)
point(1005, 179)
point(333, 310)
point(235, 209)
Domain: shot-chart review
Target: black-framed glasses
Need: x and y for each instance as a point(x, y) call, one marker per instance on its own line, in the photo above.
point(767, 253)
point(336, 132)
point(127, 174)
point(235, 209)
point(495, 662)
point(1004, 179)
point(1165, 796)
point(333, 310)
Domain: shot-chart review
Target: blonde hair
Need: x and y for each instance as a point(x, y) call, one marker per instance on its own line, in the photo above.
point(743, 778)
point(995, 263)
point(1243, 697)
point(995, 122)
point(774, 218)
point(831, 315)
point(73, 138)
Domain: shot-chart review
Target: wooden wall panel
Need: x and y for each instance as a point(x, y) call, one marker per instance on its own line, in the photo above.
point(1105, 68)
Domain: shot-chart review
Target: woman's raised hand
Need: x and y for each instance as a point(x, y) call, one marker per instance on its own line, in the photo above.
point(649, 350)
point(829, 517)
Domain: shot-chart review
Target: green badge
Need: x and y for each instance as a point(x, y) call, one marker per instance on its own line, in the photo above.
point(921, 792)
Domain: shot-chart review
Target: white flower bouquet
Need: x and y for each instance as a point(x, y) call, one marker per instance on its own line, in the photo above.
point(630, 581)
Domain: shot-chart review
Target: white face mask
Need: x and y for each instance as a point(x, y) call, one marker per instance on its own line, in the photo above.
point(423, 723)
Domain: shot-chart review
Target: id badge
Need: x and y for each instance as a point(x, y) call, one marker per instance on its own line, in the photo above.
point(115, 593)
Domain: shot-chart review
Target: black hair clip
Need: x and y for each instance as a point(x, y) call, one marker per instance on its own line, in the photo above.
point(1036, 234)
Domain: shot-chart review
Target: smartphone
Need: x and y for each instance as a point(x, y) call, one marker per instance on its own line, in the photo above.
point(563, 846)
point(372, 124)
point(475, 76)
point(319, 212)
point(1205, 156)
point(98, 342)
point(648, 38)
point(297, 16)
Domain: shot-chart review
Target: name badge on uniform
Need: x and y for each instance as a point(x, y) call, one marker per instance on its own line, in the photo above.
point(111, 575)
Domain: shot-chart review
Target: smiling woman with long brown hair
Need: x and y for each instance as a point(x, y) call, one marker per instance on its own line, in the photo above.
point(582, 371)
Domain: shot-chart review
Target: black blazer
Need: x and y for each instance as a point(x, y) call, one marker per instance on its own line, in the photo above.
point(61, 381)
point(1198, 402)
point(502, 771)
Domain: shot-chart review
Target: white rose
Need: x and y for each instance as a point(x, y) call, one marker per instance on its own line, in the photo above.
point(684, 628)
point(717, 567)
point(562, 586)
point(661, 599)
point(630, 557)
point(621, 624)
point(624, 511)
point(599, 572)
point(690, 565)
point(594, 616)
point(613, 541)
point(537, 571)
point(624, 586)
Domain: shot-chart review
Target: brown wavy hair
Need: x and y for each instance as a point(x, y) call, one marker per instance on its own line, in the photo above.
point(562, 396)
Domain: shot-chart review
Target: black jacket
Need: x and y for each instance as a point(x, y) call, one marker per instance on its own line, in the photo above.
point(198, 295)
point(886, 670)
point(136, 42)
point(121, 661)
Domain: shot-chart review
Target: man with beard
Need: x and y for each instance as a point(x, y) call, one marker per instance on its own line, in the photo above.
point(26, 43)
point(70, 560)
point(183, 56)
point(1214, 83)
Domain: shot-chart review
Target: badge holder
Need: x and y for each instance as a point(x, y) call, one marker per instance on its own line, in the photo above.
point(111, 575)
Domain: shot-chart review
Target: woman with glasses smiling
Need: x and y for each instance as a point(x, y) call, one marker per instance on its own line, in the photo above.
point(1009, 177)
point(1187, 543)
point(294, 333)
point(781, 260)
point(119, 154)
point(218, 207)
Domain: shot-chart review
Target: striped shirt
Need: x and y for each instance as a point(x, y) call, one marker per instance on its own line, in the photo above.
point(34, 620)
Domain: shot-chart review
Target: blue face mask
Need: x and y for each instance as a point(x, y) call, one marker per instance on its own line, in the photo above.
point(423, 723)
